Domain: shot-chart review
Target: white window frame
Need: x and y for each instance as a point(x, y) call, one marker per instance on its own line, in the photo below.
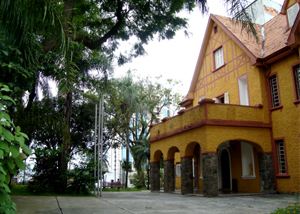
point(219, 58)
point(247, 159)
point(243, 91)
point(226, 98)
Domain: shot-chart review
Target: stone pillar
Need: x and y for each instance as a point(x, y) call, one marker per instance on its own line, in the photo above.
point(196, 175)
point(154, 176)
point(210, 174)
point(169, 176)
point(186, 175)
point(266, 173)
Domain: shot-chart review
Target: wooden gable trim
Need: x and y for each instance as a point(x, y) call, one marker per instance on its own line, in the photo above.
point(212, 19)
point(285, 6)
point(291, 39)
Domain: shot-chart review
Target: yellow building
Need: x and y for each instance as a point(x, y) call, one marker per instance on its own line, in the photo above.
point(240, 129)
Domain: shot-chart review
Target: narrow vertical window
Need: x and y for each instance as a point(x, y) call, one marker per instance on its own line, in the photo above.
point(243, 90)
point(178, 170)
point(274, 91)
point(281, 157)
point(297, 81)
point(219, 59)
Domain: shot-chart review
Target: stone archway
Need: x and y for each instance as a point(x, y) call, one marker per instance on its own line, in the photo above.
point(155, 171)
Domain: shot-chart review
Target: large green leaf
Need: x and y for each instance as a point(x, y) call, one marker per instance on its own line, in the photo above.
point(7, 135)
point(1, 153)
point(2, 197)
point(26, 149)
point(20, 140)
point(22, 156)
point(7, 178)
point(2, 178)
point(10, 163)
point(4, 146)
point(20, 163)
point(2, 170)
point(5, 187)
point(14, 151)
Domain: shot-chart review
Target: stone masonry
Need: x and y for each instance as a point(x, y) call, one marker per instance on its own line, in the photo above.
point(266, 173)
point(210, 175)
point(154, 175)
point(186, 175)
point(169, 176)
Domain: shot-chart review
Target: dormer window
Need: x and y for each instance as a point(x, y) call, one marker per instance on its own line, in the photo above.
point(292, 14)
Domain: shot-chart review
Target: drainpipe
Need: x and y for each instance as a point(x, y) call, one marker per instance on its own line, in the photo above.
point(270, 118)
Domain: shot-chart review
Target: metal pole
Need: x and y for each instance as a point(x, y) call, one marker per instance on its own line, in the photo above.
point(102, 113)
point(99, 139)
point(95, 148)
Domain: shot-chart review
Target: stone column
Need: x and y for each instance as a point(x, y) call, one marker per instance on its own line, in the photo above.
point(196, 175)
point(210, 174)
point(169, 176)
point(266, 173)
point(186, 175)
point(154, 176)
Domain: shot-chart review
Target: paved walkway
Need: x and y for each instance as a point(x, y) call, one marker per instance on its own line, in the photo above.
point(147, 202)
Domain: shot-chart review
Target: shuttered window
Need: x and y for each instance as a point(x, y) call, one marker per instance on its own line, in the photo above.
point(281, 157)
point(274, 91)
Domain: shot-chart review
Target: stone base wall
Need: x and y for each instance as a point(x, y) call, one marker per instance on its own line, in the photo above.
point(154, 177)
point(186, 175)
point(266, 173)
point(210, 175)
point(169, 176)
point(196, 176)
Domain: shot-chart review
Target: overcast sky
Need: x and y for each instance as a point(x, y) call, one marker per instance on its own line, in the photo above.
point(176, 58)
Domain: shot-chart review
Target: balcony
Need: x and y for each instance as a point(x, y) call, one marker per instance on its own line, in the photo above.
point(212, 114)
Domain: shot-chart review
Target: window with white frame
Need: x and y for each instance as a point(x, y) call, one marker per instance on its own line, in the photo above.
point(219, 59)
point(247, 161)
point(274, 91)
point(243, 90)
point(222, 99)
point(292, 14)
point(281, 157)
point(178, 170)
point(297, 80)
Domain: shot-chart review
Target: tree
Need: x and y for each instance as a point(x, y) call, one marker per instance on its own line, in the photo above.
point(133, 105)
point(141, 153)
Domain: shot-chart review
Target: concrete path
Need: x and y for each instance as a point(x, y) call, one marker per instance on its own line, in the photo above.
point(147, 202)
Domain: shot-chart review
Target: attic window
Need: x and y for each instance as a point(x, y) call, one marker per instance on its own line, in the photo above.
point(292, 14)
point(215, 29)
point(219, 59)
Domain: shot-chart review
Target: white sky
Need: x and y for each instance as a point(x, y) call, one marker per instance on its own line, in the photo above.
point(176, 58)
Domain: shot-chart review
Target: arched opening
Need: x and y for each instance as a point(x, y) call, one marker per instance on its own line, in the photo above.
point(224, 169)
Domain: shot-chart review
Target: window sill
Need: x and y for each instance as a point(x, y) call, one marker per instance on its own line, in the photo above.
point(283, 176)
point(218, 68)
point(249, 177)
point(276, 108)
point(297, 102)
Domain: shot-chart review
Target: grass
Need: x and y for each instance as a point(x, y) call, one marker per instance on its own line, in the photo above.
point(23, 190)
point(293, 208)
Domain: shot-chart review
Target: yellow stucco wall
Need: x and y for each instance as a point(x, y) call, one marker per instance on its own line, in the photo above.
point(286, 123)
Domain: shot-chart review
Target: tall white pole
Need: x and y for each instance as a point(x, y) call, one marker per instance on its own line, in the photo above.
point(99, 140)
point(102, 113)
point(95, 148)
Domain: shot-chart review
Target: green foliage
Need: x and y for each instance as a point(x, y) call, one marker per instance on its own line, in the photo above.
point(124, 166)
point(12, 140)
point(293, 208)
point(138, 180)
point(47, 177)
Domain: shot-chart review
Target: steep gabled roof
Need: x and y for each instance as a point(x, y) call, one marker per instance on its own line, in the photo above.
point(276, 34)
point(277, 39)
point(247, 43)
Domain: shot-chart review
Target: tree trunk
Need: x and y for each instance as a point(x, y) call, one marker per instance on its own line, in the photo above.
point(66, 133)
